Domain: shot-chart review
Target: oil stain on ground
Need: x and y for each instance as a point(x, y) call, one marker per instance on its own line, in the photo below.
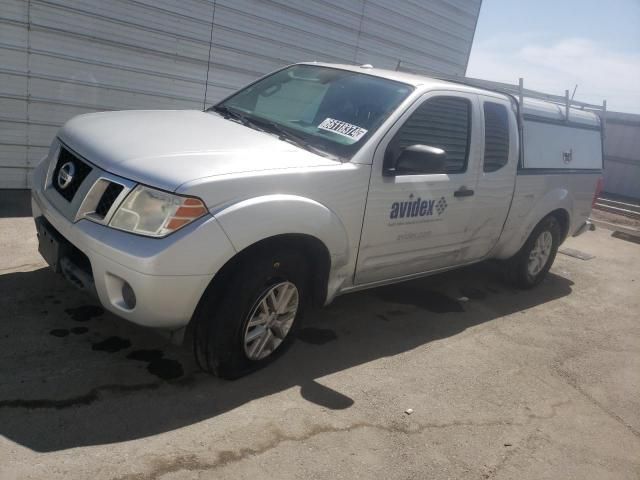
point(316, 336)
point(146, 355)
point(397, 313)
point(165, 368)
point(391, 313)
point(85, 399)
point(79, 330)
point(59, 332)
point(84, 313)
point(430, 300)
point(111, 345)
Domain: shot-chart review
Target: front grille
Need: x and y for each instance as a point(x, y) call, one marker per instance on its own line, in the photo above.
point(108, 197)
point(80, 172)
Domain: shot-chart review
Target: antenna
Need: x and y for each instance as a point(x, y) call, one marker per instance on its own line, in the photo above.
point(604, 119)
point(521, 99)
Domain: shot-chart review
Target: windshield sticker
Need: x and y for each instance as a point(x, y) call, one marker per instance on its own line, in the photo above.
point(342, 128)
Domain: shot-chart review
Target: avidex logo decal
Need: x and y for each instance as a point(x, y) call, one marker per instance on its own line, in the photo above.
point(417, 208)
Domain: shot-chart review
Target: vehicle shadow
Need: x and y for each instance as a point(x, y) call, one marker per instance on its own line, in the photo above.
point(57, 391)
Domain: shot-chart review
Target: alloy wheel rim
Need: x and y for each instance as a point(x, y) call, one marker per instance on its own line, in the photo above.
point(271, 320)
point(540, 253)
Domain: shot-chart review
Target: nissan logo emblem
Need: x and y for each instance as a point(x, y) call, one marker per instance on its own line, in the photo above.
point(65, 175)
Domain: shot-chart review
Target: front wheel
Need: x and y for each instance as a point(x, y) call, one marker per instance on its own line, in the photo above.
point(532, 263)
point(250, 319)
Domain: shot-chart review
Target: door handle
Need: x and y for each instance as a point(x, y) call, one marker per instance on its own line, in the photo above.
point(463, 192)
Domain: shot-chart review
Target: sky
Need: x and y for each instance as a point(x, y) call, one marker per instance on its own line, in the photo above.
point(555, 45)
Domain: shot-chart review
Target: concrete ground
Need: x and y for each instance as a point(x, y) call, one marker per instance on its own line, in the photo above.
point(540, 384)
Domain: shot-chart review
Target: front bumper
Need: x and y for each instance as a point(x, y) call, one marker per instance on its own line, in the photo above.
point(168, 276)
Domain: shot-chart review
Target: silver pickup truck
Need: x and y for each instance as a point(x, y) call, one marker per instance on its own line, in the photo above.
point(314, 181)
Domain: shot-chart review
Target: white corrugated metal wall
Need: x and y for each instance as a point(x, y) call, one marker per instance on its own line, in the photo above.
point(622, 155)
point(60, 58)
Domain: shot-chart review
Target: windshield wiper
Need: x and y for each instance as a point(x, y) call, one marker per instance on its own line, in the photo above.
point(228, 113)
point(269, 127)
point(285, 135)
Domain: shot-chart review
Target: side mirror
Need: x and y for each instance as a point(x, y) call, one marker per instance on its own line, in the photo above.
point(417, 159)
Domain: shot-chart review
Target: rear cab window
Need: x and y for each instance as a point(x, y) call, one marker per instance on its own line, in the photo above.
point(496, 136)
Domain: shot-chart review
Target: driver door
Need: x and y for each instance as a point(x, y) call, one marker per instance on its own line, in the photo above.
point(417, 220)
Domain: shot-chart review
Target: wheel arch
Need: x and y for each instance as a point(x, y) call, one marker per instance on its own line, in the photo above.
point(271, 221)
point(563, 218)
point(557, 202)
point(250, 221)
point(312, 247)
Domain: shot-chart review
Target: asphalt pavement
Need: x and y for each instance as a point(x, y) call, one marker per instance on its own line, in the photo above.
point(450, 377)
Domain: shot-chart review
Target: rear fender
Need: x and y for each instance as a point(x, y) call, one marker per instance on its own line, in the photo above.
point(520, 225)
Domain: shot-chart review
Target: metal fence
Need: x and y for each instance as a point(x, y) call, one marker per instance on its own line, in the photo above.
point(622, 155)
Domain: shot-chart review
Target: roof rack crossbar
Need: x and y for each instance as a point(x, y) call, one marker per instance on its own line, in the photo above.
point(517, 91)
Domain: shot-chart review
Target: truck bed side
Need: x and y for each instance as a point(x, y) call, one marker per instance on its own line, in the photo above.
point(559, 169)
point(569, 195)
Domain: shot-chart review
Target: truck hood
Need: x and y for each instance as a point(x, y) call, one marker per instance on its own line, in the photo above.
point(166, 148)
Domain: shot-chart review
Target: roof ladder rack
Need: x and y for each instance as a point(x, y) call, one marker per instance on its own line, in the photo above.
point(518, 92)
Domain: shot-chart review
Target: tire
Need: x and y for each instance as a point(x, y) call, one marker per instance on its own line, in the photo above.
point(527, 269)
point(221, 321)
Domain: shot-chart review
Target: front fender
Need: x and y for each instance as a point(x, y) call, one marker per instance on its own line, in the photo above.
point(255, 219)
point(526, 213)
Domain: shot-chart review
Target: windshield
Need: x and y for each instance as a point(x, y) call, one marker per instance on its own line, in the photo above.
point(323, 109)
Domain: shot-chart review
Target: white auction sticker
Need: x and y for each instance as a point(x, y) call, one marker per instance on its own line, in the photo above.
point(342, 128)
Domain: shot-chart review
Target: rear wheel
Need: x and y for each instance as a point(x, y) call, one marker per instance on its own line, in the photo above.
point(532, 263)
point(247, 321)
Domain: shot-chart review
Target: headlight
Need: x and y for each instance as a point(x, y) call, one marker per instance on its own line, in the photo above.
point(155, 213)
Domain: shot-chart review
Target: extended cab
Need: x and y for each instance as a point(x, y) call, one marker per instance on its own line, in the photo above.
point(314, 181)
